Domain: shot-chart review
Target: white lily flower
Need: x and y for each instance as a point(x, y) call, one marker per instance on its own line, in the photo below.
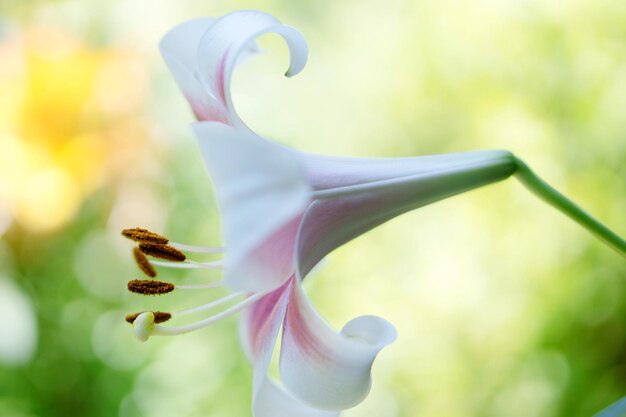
point(282, 212)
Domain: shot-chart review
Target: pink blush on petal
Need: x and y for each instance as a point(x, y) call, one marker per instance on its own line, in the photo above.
point(220, 76)
point(206, 113)
point(299, 338)
point(274, 256)
point(261, 316)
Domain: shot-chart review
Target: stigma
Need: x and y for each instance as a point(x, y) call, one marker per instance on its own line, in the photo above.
point(159, 316)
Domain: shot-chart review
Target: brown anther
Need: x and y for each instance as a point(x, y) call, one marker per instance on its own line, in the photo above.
point(166, 252)
point(143, 263)
point(143, 235)
point(159, 317)
point(149, 287)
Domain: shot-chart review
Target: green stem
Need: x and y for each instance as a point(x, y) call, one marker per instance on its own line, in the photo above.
point(563, 204)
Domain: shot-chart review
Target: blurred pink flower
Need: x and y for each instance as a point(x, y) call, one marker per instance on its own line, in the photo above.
point(284, 210)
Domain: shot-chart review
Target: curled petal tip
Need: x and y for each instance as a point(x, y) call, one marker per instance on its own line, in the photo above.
point(202, 54)
point(298, 50)
point(329, 370)
point(371, 331)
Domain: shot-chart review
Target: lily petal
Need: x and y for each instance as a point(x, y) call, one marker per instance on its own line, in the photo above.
point(221, 46)
point(179, 48)
point(374, 196)
point(180, 44)
point(325, 369)
point(326, 172)
point(260, 324)
point(272, 401)
point(259, 331)
point(261, 212)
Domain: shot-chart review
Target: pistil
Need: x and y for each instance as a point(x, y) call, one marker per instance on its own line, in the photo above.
point(145, 324)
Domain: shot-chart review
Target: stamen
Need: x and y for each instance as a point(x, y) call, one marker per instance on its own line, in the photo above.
point(171, 331)
point(159, 317)
point(196, 249)
point(143, 235)
point(162, 251)
point(143, 263)
point(146, 236)
point(149, 287)
point(212, 304)
point(153, 287)
point(218, 265)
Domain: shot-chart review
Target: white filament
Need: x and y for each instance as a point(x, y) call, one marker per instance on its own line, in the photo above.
point(212, 304)
point(162, 330)
point(200, 286)
point(197, 249)
point(216, 265)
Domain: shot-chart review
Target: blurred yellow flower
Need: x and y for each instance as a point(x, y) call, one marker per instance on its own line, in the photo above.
point(62, 114)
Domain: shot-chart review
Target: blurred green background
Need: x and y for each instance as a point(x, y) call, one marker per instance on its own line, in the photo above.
point(504, 307)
